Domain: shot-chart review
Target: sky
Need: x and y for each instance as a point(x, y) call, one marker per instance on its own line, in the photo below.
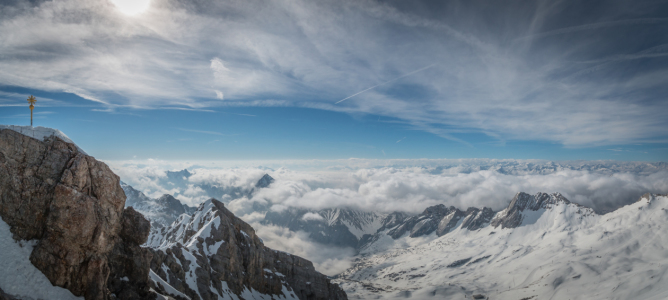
point(291, 79)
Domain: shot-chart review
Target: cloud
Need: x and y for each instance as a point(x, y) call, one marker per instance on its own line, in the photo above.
point(410, 185)
point(389, 185)
point(312, 217)
point(529, 71)
point(329, 260)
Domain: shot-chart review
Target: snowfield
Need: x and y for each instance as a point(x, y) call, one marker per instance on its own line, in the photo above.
point(563, 252)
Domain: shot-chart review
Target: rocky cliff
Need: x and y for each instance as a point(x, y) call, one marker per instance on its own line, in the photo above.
point(72, 205)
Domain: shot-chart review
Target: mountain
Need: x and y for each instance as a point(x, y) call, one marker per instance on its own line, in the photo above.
point(540, 247)
point(212, 254)
point(161, 212)
point(334, 226)
point(180, 181)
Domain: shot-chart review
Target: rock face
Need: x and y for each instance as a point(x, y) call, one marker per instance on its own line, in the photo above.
point(440, 219)
point(73, 204)
point(213, 254)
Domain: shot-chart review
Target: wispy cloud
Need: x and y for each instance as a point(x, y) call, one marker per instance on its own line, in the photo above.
point(386, 82)
point(527, 71)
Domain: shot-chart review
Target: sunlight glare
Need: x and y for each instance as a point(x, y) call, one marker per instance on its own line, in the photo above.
point(131, 7)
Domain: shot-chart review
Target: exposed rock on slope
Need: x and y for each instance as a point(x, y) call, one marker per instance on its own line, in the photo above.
point(212, 254)
point(512, 216)
point(73, 205)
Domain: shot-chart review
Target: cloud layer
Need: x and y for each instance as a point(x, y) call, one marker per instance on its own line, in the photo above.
point(390, 185)
point(572, 72)
point(407, 185)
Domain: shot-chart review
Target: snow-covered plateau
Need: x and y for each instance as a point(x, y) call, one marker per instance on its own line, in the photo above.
point(557, 251)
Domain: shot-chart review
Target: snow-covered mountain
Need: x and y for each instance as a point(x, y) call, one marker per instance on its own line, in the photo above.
point(540, 247)
point(162, 211)
point(333, 226)
point(212, 254)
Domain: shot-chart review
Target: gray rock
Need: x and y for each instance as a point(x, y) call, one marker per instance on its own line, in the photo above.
point(512, 216)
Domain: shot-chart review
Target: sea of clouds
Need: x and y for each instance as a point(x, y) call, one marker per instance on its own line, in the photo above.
point(385, 186)
point(402, 185)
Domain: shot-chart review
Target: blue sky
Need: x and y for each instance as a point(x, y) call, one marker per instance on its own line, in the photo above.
point(244, 80)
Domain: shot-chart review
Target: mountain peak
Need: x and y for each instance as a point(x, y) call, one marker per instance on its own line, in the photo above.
point(265, 181)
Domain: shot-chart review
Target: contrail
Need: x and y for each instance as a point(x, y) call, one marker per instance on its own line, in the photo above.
point(386, 82)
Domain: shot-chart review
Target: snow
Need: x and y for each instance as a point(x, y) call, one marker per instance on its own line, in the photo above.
point(563, 252)
point(191, 277)
point(168, 288)
point(19, 277)
point(40, 133)
point(252, 294)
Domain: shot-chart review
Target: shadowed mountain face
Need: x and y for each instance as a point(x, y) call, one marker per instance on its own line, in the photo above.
point(212, 254)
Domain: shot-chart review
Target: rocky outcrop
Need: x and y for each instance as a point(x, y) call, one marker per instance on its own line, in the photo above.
point(73, 205)
point(440, 219)
point(129, 263)
point(512, 216)
point(213, 254)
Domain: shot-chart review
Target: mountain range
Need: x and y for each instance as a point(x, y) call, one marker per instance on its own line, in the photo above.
point(445, 252)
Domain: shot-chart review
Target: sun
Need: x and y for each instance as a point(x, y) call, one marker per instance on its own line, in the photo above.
point(132, 7)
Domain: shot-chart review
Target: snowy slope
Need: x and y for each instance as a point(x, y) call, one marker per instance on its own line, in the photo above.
point(358, 223)
point(560, 250)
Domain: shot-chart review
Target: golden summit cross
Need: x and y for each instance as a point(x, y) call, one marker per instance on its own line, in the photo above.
point(32, 101)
